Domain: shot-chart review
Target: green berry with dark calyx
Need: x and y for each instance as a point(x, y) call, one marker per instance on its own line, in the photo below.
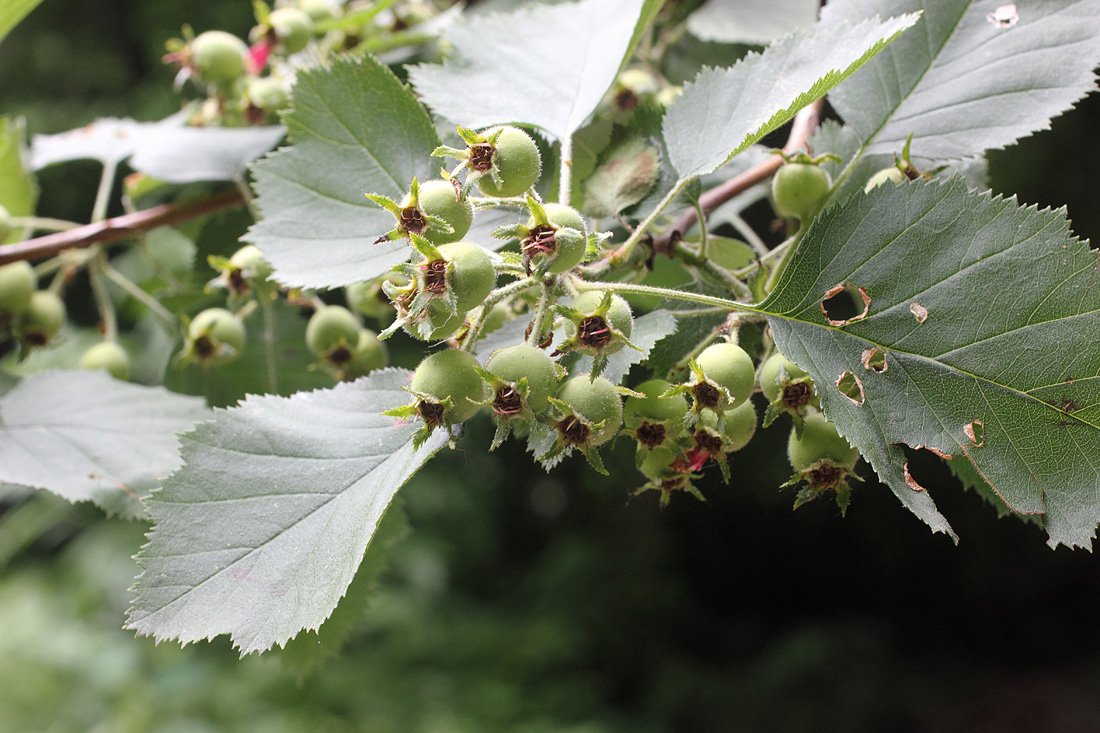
point(723, 377)
point(41, 320)
point(218, 57)
point(523, 362)
point(505, 162)
point(799, 190)
point(787, 387)
point(293, 28)
point(890, 174)
point(598, 323)
point(17, 284)
point(110, 356)
point(822, 459)
point(655, 419)
point(333, 334)
point(558, 236)
point(267, 93)
point(448, 388)
point(596, 411)
point(215, 336)
point(437, 210)
point(245, 272)
point(465, 269)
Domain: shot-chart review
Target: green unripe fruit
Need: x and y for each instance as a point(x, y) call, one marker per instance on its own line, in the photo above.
point(218, 57)
point(217, 336)
point(565, 251)
point(515, 362)
point(437, 198)
point(740, 426)
point(110, 356)
point(449, 375)
point(515, 157)
point(330, 328)
point(819, 441)
point(799, 190)
point(318, 10)
point(769, 374)
point(249, 268)
point(293, 28)
point(657, 463)
point(653, 407)
point(595, 402)
point(17, 285)
point(591, 334)
point(891, 174)
point(472, 276)
point(369, 354)
point(443, 323)
point(41, 320)
point(728, 366)
point(267, 93)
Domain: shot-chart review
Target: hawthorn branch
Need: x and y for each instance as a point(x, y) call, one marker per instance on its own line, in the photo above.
point(119, 227)
point(804, 125)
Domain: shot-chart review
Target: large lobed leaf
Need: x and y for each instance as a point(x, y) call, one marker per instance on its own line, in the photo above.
point(88, 437)
point(988, 315)
point(356, 129)
point(260, 533)
point(723, 111)
point(963, 83)
point(547, 65)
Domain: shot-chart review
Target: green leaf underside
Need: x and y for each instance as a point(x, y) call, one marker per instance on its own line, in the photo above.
point(1011, 339)
point(751, 21)
point(723, 111)
point(18, 190)
point(547, 66)
point(648, 330)
point(959, 83)
point(190, 154)
point(87, 437)
point(109, 140)
point(260, 533)
point(355, 129)
point(13, 11)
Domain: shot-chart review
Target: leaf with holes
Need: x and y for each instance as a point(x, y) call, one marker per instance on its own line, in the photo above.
point(499, 70)
point(975, 333)
point(259, 535)
point(971, 77)
point(355, 129)
point(724, 111)
point(88, 437)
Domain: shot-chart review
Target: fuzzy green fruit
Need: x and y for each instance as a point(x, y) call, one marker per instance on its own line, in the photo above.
point(330, 328)
point(890, 174)
point(218, 57)
point(369, 354)
point(591, 334)
point(516, 362)
point(819, 441)
point(515, 157)
point(730, 367)
point(449, 375)
point(110, 356)
point(293, 28)
point(41, 320)
point(472, 276)
point(216, 336)
point(17, 285)
point(595, 402)
point(438, 198)
point(543, 242)
point(799, 190)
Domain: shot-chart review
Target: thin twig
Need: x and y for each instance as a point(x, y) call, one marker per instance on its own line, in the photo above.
point(119, 227)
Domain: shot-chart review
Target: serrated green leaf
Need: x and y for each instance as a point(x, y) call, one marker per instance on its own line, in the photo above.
point(355, 129)
point(259, 534)
point(191, 154)
point(499, 70)
point(988, 315)
point(751, 21)
point(13, 11)
point(108, 140)
point(961, 83)
point(18, 189)
point(87, 437)
point(723, 111)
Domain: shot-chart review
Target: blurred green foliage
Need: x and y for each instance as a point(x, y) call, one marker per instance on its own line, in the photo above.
point(532, 602)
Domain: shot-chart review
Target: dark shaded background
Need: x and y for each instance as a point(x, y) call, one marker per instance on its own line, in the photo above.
point(525, 601)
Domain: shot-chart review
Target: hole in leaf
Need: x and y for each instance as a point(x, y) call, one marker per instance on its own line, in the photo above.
point(844, 304)
point(874, 359)
point(1004, 16)
point(924, 469)
point(975, 430)
point(919, 312)
point(850, 386)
